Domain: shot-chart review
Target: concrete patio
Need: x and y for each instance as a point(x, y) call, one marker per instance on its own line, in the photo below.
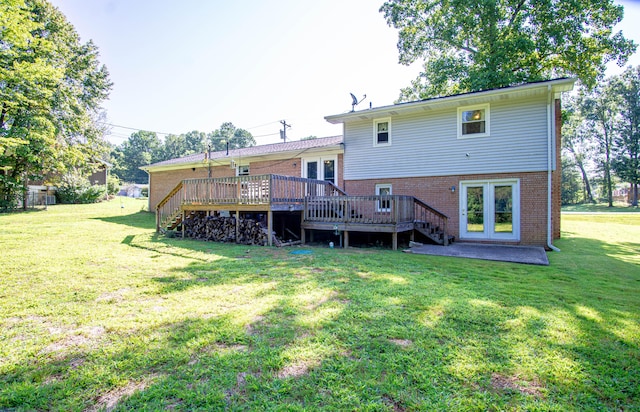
point(531, 255)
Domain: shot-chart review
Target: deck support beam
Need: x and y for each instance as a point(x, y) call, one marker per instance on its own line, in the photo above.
point(184, 214)
point(346, 239)
point(270, 227)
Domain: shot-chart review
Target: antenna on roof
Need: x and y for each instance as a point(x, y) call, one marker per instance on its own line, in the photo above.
point(355, 101)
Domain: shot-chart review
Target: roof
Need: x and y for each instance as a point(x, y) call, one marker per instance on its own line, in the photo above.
point(298, 147)
point(557, 86)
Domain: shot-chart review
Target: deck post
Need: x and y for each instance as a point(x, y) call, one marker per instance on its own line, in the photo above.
point(303, 232)
point(346, 239)
point(270, 226)
point(237, 224)
point(182, 222)
point(394, 240)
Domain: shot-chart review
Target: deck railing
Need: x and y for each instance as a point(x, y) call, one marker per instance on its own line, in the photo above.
point(436, 219)
point(385, 209)
point(169, 207)
point(241, 190)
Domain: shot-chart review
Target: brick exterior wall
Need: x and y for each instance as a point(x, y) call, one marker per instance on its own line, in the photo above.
point(436, 192)
point(163, 182)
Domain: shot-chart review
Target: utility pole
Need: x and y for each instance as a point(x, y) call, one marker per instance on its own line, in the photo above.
point(283, 133)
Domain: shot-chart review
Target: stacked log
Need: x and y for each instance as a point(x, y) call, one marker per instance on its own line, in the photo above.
point(223, 229)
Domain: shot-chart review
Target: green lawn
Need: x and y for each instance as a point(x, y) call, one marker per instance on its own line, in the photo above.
point(600, 208)
point(97, 312)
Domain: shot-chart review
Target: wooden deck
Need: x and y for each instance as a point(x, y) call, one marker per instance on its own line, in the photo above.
point(322, 206)
point(379, 214)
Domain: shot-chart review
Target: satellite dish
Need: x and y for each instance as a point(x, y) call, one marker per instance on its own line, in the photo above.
point(355, 101)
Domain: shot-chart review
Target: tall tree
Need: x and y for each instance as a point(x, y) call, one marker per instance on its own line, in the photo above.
point(599, 109)
point(577, 143)
point(195, 142)
point(51, 88)
point(627, 161)
point(229, 134)
point(174, 146)
point(471, 45)
point(142, 148)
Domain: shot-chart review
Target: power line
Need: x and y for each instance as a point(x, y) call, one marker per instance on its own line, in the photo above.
point(134, 128)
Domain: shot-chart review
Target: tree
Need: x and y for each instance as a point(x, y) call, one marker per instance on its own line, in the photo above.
point(471, 45)
point(174, 146)
point(229, 134)
point(195, 142)
point(577, 143)
point(142, 148)
point(627, 160)
point(599, 109)
point(51, 88)
point(570, 183)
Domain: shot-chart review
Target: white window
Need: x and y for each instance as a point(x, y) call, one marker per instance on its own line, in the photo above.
point(384, 190)
point(243, 170)
point(382, 132)
point(473, 121)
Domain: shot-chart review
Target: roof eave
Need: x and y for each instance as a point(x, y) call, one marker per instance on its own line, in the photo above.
point(558, 86)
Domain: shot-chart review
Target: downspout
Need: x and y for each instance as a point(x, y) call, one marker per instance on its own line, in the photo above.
point(550, 141)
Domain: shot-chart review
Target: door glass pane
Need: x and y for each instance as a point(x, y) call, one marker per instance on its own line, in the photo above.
point(312, 170)
point(475, 209)
point(503, 215)
point(329, 171)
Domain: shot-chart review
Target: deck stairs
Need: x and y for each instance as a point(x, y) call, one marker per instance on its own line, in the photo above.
point(432, 232)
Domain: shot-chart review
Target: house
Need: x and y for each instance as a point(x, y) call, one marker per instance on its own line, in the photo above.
point(489, 160)
point(480, 167)
point(132, 190)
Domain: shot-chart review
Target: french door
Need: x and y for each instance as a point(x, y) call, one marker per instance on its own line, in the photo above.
point(320, 169)
point(490, 210)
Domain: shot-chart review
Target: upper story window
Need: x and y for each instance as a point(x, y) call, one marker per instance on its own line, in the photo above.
point(473, 121)
point(382, 132)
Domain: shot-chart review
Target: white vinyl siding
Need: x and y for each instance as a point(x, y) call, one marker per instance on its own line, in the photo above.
point(427, 144)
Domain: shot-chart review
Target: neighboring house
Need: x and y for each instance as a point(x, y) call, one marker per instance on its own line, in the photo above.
point(101, 175)
point(480, 167)
point(489, 160)
point(132, 190)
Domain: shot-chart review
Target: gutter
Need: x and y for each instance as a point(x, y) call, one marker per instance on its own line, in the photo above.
point(550, 140)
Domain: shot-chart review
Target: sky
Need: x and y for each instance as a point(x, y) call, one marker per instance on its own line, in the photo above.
point(178, 66)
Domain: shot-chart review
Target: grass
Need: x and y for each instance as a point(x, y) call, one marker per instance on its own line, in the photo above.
point(600, 208)
point(99, 313)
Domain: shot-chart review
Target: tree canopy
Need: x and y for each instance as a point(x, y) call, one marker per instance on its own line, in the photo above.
point(51, 88)
point(143, 148)
point(472, 45)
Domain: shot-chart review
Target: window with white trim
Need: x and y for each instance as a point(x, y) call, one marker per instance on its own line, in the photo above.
point(473, 121)
point(243, 170)
point(382, 132)
point(384, 189)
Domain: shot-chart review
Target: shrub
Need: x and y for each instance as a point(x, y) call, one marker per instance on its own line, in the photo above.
point(113, 185)
point(75, 188)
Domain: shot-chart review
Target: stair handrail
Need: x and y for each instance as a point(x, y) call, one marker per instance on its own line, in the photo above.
point(441, 216)
point(161, 210)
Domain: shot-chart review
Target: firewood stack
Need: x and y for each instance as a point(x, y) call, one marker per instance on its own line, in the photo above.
point(223, 229)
